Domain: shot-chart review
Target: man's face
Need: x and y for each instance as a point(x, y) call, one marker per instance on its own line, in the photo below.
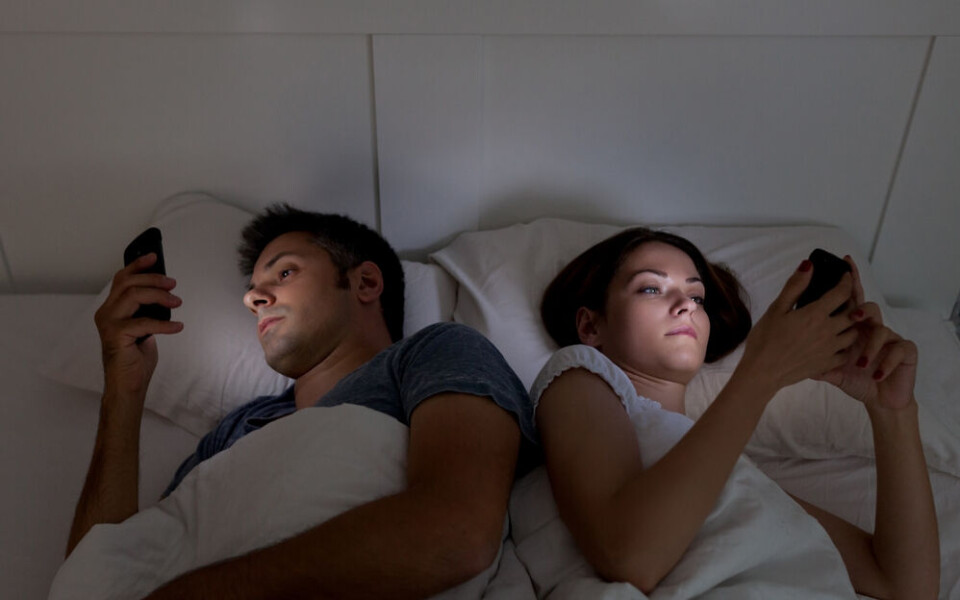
point(303, 312)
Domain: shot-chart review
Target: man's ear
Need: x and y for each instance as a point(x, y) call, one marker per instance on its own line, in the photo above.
point(366, 280)
point(588, 327)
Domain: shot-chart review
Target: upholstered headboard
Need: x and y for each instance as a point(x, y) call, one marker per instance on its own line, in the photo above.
point(427, 118)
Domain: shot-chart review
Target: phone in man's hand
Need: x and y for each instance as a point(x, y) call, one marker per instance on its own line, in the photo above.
point(145, 243)
point(828, 269)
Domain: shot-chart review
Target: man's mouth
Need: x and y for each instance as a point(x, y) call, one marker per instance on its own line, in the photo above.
point(267, 322)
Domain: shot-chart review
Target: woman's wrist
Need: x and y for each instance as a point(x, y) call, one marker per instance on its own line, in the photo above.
point(753, 372)
point(893, 416)
point(752, 385)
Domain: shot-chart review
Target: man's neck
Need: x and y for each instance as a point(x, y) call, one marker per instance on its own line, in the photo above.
point(315, 383)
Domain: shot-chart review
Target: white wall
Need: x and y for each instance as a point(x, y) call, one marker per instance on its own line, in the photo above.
point(97, 129)
point(494, 17)
point(918, 249)
point(425, 118)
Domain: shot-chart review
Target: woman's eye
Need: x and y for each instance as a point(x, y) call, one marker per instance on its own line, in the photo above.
point(697, 300)
point(285, 273)
point(649, 290)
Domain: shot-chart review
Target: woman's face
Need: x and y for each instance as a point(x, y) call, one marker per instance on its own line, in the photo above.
point(654, 322)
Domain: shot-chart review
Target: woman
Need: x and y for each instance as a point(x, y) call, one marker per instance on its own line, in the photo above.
point(651, 305)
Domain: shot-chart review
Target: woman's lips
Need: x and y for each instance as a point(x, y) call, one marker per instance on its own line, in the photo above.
point(683, 331)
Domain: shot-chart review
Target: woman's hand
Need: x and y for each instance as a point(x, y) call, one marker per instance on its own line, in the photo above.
point(880, 367)
point(789, 345)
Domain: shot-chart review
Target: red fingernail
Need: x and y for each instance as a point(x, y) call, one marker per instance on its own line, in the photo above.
point(878, 374)
point(857, 314)
point(862, 362)
point(805, 266)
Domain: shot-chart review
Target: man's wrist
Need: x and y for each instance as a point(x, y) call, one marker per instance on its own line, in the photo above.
point(119, 406)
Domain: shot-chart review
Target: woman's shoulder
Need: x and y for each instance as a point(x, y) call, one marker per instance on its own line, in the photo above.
point(590, 359)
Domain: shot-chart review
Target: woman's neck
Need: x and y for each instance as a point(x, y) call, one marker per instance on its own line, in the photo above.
point(669, 394)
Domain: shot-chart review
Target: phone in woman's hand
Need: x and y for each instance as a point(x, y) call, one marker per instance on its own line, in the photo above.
point(828, 269)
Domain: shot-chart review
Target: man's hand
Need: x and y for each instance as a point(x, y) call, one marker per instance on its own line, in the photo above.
point(128, 365)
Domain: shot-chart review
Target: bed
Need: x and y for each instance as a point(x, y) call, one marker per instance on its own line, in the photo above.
point(488, 144)
point(811, 441)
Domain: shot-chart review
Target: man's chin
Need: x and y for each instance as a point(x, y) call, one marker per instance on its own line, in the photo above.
point(283, 364)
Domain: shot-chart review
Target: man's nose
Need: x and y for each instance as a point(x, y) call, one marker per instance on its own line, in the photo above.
point(257, 298)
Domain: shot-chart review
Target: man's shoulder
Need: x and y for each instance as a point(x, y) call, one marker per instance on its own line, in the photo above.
point(443, 330)
point(444, 338)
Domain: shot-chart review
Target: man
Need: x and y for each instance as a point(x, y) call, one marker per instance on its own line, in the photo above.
point(328, 296)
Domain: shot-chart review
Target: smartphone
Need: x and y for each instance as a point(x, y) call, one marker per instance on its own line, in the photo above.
point(828, 269)
point(145, 243)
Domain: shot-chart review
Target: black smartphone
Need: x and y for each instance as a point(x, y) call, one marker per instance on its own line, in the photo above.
point(828, 269)
point(145, 243)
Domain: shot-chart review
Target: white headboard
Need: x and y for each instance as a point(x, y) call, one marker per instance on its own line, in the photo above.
point(426, 118)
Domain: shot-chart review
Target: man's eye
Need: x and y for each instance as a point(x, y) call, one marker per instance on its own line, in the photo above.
point(285, 273)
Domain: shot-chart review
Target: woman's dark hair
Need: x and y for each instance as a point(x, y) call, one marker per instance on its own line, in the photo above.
point(348, 243)
point(585, 282)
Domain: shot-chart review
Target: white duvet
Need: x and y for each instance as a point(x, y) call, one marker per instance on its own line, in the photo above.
point(319, 462)
point(757, 542)
point(294, 473)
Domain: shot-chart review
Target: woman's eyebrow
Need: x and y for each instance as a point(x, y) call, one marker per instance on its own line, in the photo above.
point(661, 274)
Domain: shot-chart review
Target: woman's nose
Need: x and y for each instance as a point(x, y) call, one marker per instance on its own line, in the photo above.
point(683, 303)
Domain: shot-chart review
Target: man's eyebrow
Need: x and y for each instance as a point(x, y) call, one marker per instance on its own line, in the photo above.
point(272, 262)
point(660, 274)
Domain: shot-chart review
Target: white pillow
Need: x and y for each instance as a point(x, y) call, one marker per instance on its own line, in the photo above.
point(216, 362)
point(503, 273)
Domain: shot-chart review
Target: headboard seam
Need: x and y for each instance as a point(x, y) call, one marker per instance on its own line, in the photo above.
point(900, 150)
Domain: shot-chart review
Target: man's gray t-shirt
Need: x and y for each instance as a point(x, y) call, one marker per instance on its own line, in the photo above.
point(441, 358)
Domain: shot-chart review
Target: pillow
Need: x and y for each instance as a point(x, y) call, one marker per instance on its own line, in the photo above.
point(216, 362)
point(503, 273)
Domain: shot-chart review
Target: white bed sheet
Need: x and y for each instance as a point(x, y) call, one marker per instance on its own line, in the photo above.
point(844, 486)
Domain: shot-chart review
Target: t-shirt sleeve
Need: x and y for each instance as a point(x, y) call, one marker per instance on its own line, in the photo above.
point(583, 357)
point(453, 358)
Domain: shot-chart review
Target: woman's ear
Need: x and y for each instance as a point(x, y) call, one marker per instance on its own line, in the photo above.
point(367, 281)
point(588, 329)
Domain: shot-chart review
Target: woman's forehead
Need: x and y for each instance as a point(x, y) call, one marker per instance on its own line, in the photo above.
point(658, 256)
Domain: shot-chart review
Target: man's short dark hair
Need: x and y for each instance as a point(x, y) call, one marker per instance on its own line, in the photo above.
point(348, 243)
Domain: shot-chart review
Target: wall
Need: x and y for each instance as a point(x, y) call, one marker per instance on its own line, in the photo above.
point(426, 118)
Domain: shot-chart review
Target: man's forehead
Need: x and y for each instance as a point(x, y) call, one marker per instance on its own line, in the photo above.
point(294, 243)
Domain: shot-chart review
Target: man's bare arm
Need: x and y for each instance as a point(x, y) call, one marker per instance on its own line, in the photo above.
point(110, 491)
point(443, 530)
